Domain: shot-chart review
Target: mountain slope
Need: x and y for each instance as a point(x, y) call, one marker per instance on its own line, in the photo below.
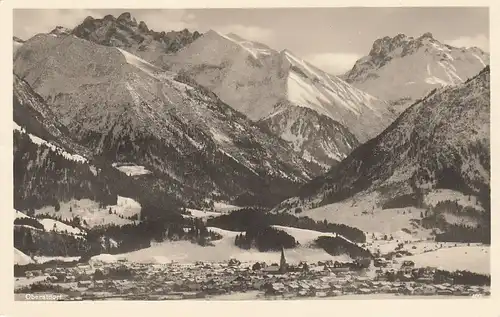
point(402, 69)
point(280, 90)
point(31, 113)
point(441, 142)
point(116, 103)
point(16, 42)
point(48, 165)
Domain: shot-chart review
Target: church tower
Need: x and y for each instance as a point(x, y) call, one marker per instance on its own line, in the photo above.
point(283, 265)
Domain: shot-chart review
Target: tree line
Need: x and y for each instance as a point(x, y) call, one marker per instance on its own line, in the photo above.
point(250, 218)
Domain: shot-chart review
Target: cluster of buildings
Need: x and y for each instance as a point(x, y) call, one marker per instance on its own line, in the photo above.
point(203, 280)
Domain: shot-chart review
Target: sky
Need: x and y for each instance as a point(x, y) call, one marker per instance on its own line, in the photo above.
point(330, 38)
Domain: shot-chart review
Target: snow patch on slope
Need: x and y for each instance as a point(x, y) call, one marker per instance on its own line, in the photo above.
point(131, 169)
point(304, 236)
point(249, 46)
point(54, 225)
point(51, 225)
point(89, 211)
point(479, 59)
point(21, 259)
point(139, 63)
point(305, 95)
point(40, 141)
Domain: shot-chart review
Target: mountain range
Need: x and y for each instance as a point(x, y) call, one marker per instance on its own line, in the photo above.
point(320, 115)
point(439, 146)
point(112, 111)
point(114, 102)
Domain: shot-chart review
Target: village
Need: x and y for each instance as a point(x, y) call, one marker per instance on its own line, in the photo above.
point(98, 280)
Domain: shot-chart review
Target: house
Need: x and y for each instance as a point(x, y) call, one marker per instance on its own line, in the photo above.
point(364, 290)
point(335, 293)
point(84, 283)
point(321, 294)
point(274, 288)
point(293, 286)
point(52, 278)
point(407, 290)
point(272, 269)
point(408, 264)
point(33, 273)
point(70, 278)
point(445, 292)
point(189, 295)
point(303, 293)
point(425, 280)
point(339, 269)
point(48, 270)
point(234, 262)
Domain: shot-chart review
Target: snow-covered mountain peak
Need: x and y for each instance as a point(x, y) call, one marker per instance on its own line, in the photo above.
point(255, 49)
point(402, 69)
point(278, 88)
point(60, 30)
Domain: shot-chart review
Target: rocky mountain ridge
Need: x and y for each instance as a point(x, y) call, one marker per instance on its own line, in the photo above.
point(402, 69)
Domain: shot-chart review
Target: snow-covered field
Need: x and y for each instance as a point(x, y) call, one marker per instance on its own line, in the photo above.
point(357, 213)
point(52, 225)
point(44, 259)
point(472, 258)
point(224, 249)
point(57, 226)
point(40, 141)
point(21, 259)
point(89, 211)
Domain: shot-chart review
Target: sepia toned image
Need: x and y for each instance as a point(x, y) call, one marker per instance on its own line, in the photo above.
point(251, 154)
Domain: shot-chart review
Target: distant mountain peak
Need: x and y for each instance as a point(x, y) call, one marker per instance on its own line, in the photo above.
point(402, 69)
point(386, 45)
point(127, 18)
point(125, 32)
point(427, 35)
point(60, 30)
point(143, 27)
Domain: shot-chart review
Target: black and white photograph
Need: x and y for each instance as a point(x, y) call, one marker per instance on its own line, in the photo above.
point(333, 153)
